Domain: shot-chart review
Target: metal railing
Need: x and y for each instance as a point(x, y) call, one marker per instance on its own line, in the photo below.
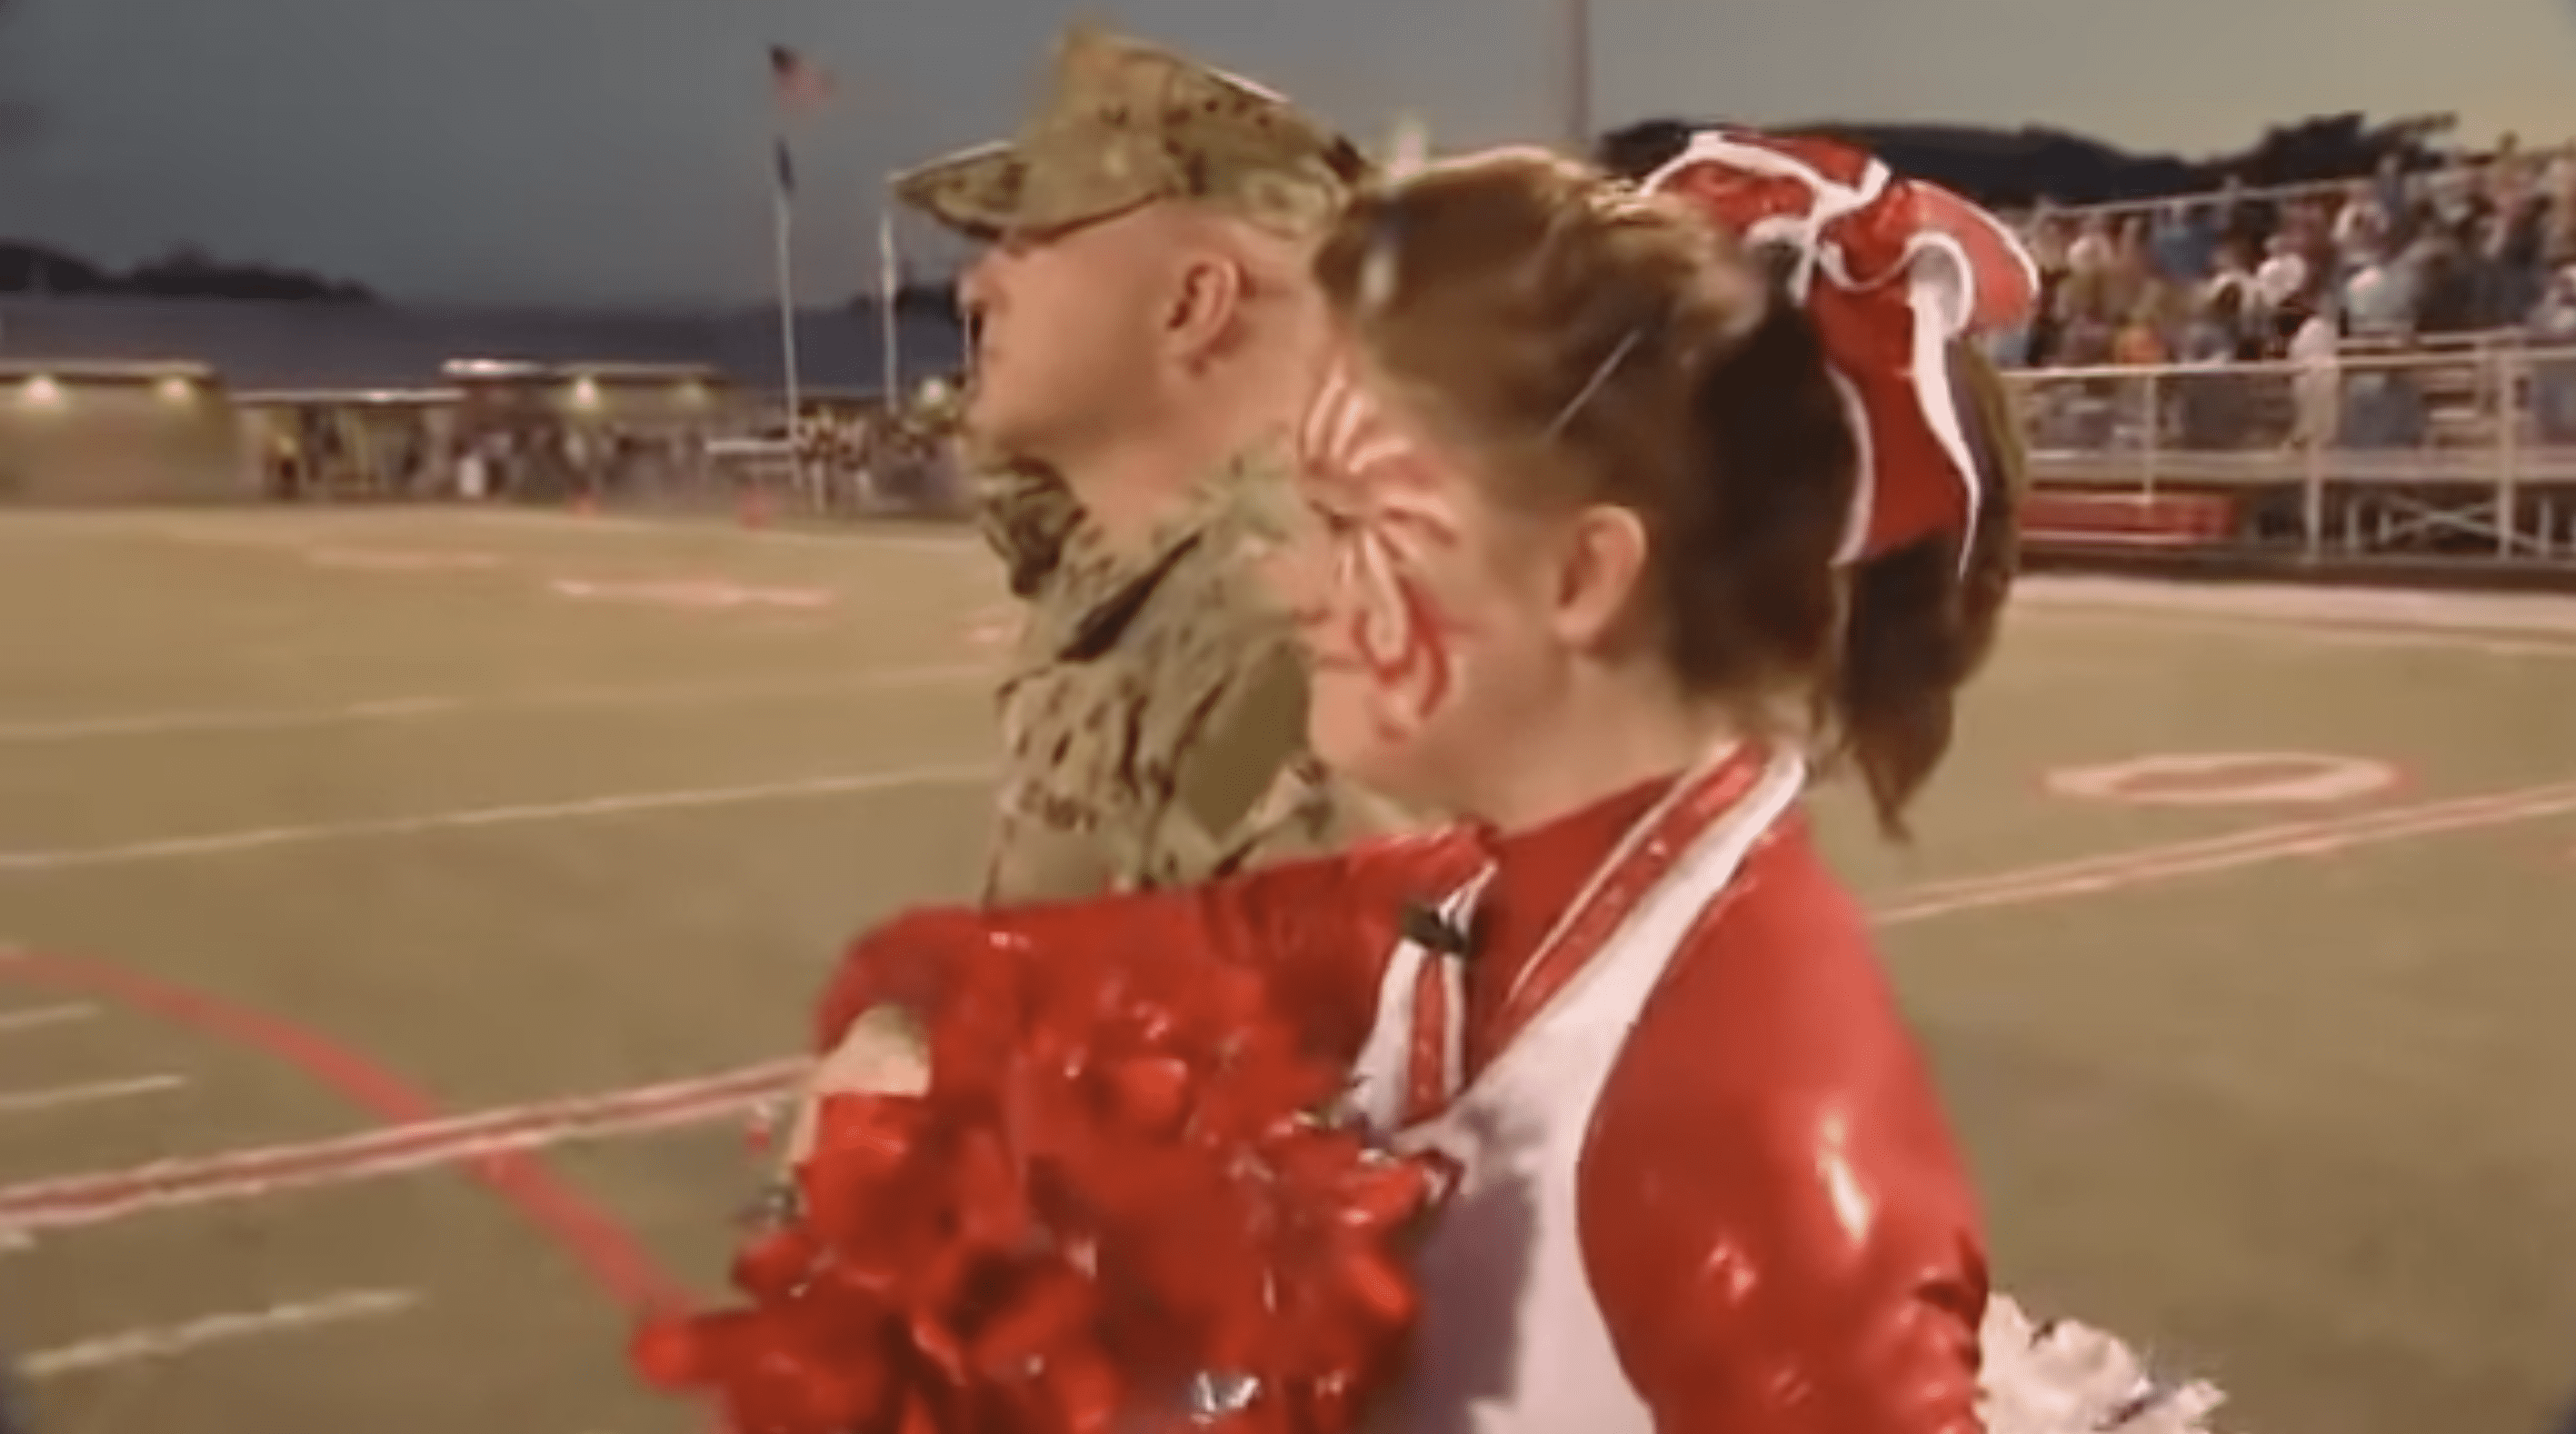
point(2466, 452)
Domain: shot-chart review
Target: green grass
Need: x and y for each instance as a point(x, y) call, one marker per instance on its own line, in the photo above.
point(2296, 1123)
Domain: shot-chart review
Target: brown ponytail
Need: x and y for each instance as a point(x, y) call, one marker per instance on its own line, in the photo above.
point(1599, 346)
point(1921, 622)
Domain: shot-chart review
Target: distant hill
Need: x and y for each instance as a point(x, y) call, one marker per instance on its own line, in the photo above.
point(920, 299)
point(2016, 167)
point(36, 269)
point(2006, 168)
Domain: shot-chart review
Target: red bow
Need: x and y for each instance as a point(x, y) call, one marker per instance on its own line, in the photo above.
point(1892, 271)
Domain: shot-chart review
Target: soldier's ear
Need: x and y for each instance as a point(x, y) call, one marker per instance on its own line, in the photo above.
point(1205, 306)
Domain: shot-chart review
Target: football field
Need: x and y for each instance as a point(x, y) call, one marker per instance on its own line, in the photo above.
point(404, 914)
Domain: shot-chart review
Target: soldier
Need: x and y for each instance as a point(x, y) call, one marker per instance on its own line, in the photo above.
point(1146, 332)
point(1144, 325)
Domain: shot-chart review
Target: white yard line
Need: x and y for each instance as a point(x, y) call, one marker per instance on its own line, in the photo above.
point(2306, 631)
point(50, 1098)
point(37, 1018)
point(615, 805)
point(2465, 613)
point(2120, 871)
point(261, 527)
point(405, 709)
point(962, 541)
point(68, 1202)
point(151, 1345)
point(2511, 804)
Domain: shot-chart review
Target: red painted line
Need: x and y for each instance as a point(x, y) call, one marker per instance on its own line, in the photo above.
point(592, 1238)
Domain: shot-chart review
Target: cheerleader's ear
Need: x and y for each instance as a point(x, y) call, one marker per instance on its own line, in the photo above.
point(1600, 571)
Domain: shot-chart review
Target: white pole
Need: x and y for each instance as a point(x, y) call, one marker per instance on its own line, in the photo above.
point(1408, 146)
point(787, 319)
point(889, 291)
point(1576, 40)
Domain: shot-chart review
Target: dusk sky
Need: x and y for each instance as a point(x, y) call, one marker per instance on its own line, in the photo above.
point(614, 152)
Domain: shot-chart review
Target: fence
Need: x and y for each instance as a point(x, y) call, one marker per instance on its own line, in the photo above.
point(2463, 454)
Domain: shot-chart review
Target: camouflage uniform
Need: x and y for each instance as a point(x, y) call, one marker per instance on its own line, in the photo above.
point(1155, 720)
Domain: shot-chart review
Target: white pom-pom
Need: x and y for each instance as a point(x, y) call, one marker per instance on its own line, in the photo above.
point(2069, 1378)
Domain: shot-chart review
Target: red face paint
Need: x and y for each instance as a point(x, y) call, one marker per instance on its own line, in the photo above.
point(1383, 510)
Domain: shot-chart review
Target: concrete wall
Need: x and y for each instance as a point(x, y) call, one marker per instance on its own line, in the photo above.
point(76, 441)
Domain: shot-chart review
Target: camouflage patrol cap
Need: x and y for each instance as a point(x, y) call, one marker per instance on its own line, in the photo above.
point(1125, 123)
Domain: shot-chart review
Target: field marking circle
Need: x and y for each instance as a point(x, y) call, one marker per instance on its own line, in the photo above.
point(2215, 779)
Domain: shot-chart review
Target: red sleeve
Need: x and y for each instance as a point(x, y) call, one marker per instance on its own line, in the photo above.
point(1323, 930)
point(1775, 1221)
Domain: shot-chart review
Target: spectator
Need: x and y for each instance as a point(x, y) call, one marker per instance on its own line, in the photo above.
point(2558, 224)
point(2360, 226)
point(2455, 199)
point(2379, 298)
point(2393, 194)
point(2009, 348)
point(2048, 245)
point(2141, 341)
point(2284, 274)
point(2093, 249)
point(2219, 331)
point(2083, 330)
point(2552, 326)
point(2184, 241)
point(2317, 390)
point(2234, 275)
point(2444, 287)
point(2453, 250)
point(2049, 238)
point(2120, 285)
point(2241, 220)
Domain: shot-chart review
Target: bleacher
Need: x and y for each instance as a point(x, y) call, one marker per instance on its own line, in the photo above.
point(2436, 444)
point(2392, 452)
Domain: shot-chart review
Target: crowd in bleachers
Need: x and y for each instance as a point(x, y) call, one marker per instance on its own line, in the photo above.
point(2479, 246)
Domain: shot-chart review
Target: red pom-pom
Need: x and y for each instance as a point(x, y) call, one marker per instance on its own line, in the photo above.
point(774, 1265)
point(665, 1351)
point(1114, 1185)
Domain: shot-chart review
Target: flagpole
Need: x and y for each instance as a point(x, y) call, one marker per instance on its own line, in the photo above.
point(889, 293)
point(1575, 36)
point(785, 225)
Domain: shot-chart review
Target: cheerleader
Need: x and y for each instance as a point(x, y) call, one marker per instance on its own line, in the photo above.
point(1612, 530)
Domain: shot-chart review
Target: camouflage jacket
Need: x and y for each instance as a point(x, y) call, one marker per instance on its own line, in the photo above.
point(1155, 719)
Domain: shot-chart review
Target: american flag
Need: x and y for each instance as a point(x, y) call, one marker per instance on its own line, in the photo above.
point(802, 86)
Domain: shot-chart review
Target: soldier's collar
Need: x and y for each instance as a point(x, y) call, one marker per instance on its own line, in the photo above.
point(1206, 501)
